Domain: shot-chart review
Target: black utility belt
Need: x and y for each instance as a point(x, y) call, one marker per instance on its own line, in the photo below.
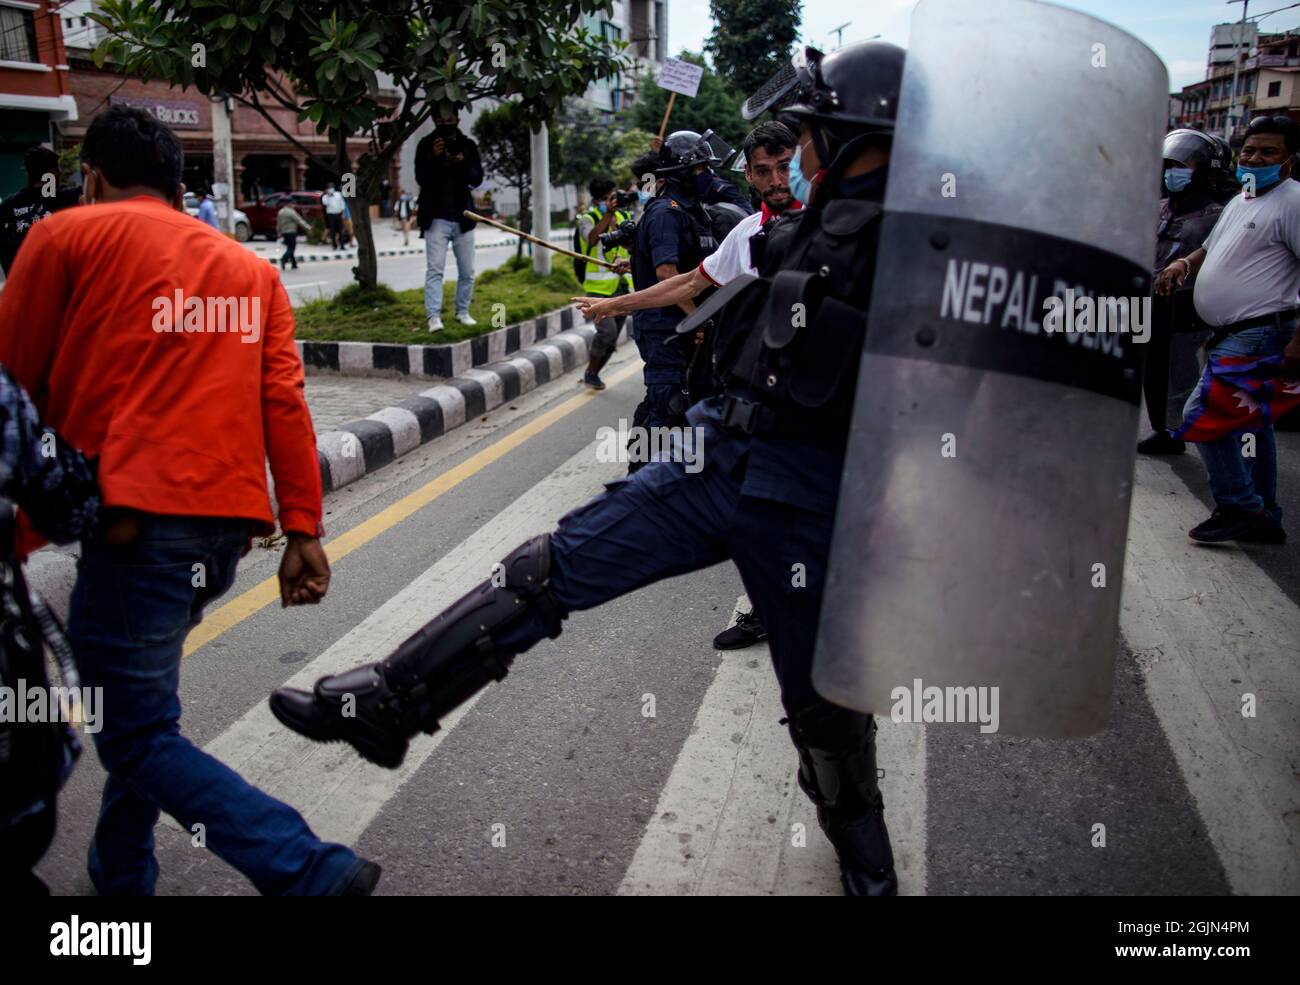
point(764, 421)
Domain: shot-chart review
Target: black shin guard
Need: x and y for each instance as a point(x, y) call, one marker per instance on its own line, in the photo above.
point(837, 770)
point(379, 706)
point(454, 656)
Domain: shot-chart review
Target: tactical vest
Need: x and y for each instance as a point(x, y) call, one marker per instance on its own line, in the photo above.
point(786, 346)
point(597, 280)
point(690, 253)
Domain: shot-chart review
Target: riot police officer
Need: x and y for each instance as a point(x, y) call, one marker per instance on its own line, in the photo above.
point(774, 443)
point(669, 240)
point(1196, 169)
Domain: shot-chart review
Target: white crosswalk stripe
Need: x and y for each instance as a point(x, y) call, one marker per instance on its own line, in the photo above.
point(732, 820)
point(1209, 627)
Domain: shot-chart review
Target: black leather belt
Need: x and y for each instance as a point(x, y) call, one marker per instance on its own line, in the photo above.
point(1278, 318)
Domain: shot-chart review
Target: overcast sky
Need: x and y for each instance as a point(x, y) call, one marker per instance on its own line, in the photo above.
point(1178, 30)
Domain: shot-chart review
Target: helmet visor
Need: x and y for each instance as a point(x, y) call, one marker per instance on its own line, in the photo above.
point(718, 149)
point(1189, 148)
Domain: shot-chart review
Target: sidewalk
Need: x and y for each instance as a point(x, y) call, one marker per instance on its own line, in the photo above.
point(388, 242)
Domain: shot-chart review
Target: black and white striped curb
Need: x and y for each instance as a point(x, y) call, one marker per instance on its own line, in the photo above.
point(449, 359)
point(361, 447)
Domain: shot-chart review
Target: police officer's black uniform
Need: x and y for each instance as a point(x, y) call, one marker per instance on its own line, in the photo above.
point(677, 229)
point(670, 231)
point(773, 451)
point(1186, 218)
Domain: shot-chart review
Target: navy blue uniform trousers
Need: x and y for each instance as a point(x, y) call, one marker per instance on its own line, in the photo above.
point(664, 521)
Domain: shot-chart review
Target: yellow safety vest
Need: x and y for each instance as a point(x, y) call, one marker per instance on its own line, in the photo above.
point(602, 281)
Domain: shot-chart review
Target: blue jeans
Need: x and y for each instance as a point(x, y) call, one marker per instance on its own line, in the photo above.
point(132, 607)
point(664, 521)
point(436, 238)
point(1236, 480)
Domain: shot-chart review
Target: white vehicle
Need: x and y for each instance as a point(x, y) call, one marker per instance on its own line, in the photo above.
point(243, 228)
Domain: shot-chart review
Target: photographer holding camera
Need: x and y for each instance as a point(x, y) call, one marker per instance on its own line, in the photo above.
point(603, 232)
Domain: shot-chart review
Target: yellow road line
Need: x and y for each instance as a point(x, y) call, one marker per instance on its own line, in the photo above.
point(261, 595)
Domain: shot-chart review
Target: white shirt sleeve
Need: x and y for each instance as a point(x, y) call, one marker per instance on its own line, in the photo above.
point(731, 258)
point(1289, 221)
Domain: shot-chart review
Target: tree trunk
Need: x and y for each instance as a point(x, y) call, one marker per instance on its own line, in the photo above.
point(365, 185)
point(370, 173)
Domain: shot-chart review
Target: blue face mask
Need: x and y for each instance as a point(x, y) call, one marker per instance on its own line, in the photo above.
point(1177, 179)
point(602, 207)
point(642, 197)
point(1264, 177)
point(800, 187)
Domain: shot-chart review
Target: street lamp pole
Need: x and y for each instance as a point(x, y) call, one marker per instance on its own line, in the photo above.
point(1231, 119)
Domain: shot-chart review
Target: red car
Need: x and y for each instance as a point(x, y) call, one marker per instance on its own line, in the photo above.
point(261, 214)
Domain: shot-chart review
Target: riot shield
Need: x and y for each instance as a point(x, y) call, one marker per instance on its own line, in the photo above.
point(979, 539)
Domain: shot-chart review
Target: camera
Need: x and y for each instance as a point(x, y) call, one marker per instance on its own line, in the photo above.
point(623, 234)
point(624, 199)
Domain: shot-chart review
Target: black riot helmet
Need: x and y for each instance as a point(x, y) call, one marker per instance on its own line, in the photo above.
point(849, 95)
point(857, 85)
point(1194, 149)
point(684, 150)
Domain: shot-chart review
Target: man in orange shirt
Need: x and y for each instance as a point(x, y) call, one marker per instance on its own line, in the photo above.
point(166, 350)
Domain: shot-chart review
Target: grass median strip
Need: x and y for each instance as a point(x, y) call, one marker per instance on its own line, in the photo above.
point(385, 315)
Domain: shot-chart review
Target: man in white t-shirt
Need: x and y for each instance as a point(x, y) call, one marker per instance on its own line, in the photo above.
point(333, 205)
point(1247, 281)
point(768, 150)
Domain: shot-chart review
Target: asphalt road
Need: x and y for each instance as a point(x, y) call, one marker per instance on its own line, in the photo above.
point(557, 781)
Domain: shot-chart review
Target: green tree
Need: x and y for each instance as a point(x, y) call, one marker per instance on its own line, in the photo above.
point(322, 59)
point(589, 146)
point(752, 39)
point(504, 143)
point(716, 106)
point(631, 145)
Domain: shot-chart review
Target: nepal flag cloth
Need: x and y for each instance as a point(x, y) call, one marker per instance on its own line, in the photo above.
point(1239, 393)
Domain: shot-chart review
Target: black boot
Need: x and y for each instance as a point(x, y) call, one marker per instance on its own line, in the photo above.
point(837, 770)
point(1161, 443)
point(379, 707)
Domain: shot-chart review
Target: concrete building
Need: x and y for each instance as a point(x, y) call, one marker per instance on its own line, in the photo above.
point(1267, 68)
point(79, 31)
point(35, 89)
